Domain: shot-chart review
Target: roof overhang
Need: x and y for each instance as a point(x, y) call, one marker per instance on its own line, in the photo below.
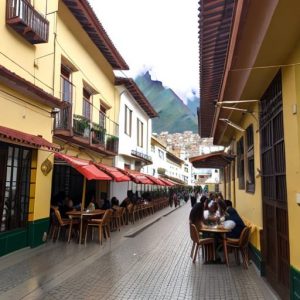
point(263, 35)
point(216, 160)
point(26, 88)
point(137, 94)
point(215, 26)
point(85, 15)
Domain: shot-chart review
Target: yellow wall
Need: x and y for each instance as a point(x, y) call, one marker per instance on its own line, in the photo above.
point(25, 116)
point(291, 97)
point(249, 205)
point(91, 66)
point(18, 55)
point(40, 64)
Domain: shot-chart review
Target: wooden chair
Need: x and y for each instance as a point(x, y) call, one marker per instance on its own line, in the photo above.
point(207, 244)
point(61, 223)
point(241, 245)
point(130, 215)
point(103, 225)
point(117, 217)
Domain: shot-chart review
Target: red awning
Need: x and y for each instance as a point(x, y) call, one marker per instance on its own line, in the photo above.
point(113, 172)
point(84, 167)
point(27, 139)
point(167, 182)
point(137, 177)
point(155, 180)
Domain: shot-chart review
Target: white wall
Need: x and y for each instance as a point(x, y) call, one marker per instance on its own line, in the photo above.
point(126, 142)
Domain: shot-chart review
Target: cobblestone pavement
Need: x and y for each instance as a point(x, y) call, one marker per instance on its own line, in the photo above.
point(140, 262)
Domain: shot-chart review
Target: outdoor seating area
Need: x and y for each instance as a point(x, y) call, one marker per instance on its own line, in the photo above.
point(217, 228)
point(97, 224)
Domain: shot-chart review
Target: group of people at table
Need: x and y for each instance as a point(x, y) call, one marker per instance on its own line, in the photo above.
point(214, 212)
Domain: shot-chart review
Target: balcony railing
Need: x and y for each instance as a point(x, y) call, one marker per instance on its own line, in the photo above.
point(63, 119)
point(112, 143)
point(81, 126)
point(98, 134)
point(29, 23)
point(110, 126)
point(90, 133)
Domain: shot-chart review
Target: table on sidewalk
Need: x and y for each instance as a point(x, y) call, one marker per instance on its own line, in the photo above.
point(222, 231)
point(80, 215)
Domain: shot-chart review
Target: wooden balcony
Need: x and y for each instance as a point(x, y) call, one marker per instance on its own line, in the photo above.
point(24, 19)
point(79, 130)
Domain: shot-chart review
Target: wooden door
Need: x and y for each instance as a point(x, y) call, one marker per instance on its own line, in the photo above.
point(275, 246)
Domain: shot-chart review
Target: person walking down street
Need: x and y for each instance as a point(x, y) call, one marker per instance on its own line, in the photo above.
point(175, 200)
point(171, 198)
point(193, 199)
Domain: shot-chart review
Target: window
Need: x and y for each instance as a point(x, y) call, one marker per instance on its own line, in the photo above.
point(240, 163)
point(102, 117)
point(128, 120)
point(250, 184)
point(66, 84)
point(161, 154)
point(86, 108)
point(140, 131)
point(15, 166)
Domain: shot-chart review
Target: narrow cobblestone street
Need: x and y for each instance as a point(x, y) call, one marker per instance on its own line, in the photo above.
point(140, 262)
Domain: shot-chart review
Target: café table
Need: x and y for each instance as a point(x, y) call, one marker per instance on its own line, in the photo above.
point(80, 214)
point(222, 231)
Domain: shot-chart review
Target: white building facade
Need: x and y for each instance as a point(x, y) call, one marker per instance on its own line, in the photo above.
point(135, 130)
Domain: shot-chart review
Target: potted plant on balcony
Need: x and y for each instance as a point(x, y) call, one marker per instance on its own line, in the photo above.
point(112, 143)
point(98, 134)
point(81, 125)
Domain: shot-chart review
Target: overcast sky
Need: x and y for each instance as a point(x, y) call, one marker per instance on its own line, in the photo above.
point(158, 34)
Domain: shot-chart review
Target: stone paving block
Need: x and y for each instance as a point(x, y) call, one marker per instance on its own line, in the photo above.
point(154, 264)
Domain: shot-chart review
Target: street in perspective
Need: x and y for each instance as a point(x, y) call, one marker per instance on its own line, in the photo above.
point(149, 149)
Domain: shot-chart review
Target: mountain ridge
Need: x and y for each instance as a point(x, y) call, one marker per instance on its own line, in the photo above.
point(168, 105)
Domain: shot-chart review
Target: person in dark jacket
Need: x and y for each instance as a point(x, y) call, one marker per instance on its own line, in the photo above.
point(233, 215)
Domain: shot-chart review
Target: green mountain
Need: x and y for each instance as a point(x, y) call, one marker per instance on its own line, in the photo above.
point(193, 103)
point(174, 115)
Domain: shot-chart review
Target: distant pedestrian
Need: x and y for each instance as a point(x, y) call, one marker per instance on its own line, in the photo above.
point(193, 199)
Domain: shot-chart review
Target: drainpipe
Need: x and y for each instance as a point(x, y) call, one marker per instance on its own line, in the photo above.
point(54, 54)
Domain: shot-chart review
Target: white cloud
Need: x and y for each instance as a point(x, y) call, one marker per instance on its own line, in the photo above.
point(160, 34)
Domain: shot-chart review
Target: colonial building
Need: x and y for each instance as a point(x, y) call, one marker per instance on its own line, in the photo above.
point(135, 131)
point(168, 165)
point(56, 79)
point(250, 102)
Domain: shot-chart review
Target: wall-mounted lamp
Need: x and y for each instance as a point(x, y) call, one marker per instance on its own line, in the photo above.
point(54, 111)
point(258, 173)
point(228, 122)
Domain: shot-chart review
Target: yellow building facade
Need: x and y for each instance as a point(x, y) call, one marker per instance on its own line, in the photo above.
point(57, 93)
point(250, 104)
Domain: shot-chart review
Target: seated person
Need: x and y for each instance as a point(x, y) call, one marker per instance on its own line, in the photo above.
point(239, 224)
point(222, 210)
point(211, 216)
point(114, 201)
point(196, 215)
point(67, 206)
point(106, 204)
